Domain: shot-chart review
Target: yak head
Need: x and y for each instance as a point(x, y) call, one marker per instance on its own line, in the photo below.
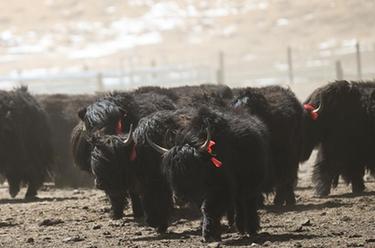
point(108, 116)
point(188, 166)
point(311, 130)
point(110, 164)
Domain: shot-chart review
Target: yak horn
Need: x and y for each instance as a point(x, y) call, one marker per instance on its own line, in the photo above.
point(158, 148)
point(130, 136)
point(207, 142)
point(320, 106)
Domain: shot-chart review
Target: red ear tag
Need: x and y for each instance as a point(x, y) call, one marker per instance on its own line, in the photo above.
point(314, 116)
point(119, 127)
point(133, 154)
point(216, 162)
point(210, 146)
point(310, 108)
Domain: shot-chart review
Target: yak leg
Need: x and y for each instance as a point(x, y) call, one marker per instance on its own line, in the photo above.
point(358, 185)
point(34, 183)
point(324, 172)
point(287, 170)
point(157, 204)
point(240, 215)
point(290, 198)
point(279, 196)
point(211, 211)
point(230, 216)
point(118, 202)
point(136, 205)
point(252, 220)
point(14, 185)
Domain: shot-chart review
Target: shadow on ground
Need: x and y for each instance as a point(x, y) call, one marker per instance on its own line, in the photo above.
point(37, 199)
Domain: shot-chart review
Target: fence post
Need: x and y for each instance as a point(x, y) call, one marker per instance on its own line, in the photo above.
point(99, 82)
point(339, 71)
point(290, 65)
point(19, 76)
point(220, 71)
point(359, 65)
point(122, 71)
point(153, 72)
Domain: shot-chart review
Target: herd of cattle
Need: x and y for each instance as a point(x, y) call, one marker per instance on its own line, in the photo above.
point(222, 149)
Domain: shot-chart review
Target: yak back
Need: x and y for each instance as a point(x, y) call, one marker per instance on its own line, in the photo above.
point(206, 94)
point(278, 108)
point(241, 144)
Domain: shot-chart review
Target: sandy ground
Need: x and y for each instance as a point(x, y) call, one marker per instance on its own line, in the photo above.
point(79, 218)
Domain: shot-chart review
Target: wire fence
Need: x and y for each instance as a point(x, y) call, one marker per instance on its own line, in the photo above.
point(300, 70)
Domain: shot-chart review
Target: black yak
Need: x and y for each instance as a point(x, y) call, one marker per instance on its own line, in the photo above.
point(25, 147)
point(283, 114)
point(110, 118)
point(114, 172)
point(62, 116)
point(219, 162)
point(338, 121)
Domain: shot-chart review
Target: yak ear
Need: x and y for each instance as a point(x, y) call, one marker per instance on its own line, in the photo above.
point(82, 113)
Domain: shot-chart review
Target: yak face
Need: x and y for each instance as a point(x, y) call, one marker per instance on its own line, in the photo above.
point(108, 163)
point(310, 135)
point(187, 170)
point(111, 170)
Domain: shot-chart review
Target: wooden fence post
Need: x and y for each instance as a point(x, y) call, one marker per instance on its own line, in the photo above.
point(220, 70)
point(359, 64)
point(290, 65)
point(99, 82)
point(339, 71)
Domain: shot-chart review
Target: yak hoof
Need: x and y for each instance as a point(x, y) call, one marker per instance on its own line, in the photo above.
point(211, 239)
point(358, 189)
point(116, 216)
point(290, 202)
point(161, 229)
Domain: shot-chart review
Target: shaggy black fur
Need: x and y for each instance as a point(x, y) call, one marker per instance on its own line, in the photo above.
point(343, 132)
point(62, 110)
point(241, 146)
point(114, 173)
point(283, 114)
point(25, 147)
point(91, 151)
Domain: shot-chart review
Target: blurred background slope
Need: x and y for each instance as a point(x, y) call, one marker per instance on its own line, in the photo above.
point(72, 46)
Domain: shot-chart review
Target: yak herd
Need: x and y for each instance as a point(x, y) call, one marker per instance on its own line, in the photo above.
point(219, 148)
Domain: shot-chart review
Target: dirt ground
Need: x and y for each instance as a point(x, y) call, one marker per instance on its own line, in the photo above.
point(79, 218)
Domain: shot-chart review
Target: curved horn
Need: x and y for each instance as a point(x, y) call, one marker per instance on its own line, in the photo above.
point(130, 136)
point(158, 148)
point(319, 109)
point(207, 142)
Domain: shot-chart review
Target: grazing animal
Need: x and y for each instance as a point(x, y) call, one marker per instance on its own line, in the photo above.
point(283, 114)
point(25, 147)
point(338, 120)
point(219, 162)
